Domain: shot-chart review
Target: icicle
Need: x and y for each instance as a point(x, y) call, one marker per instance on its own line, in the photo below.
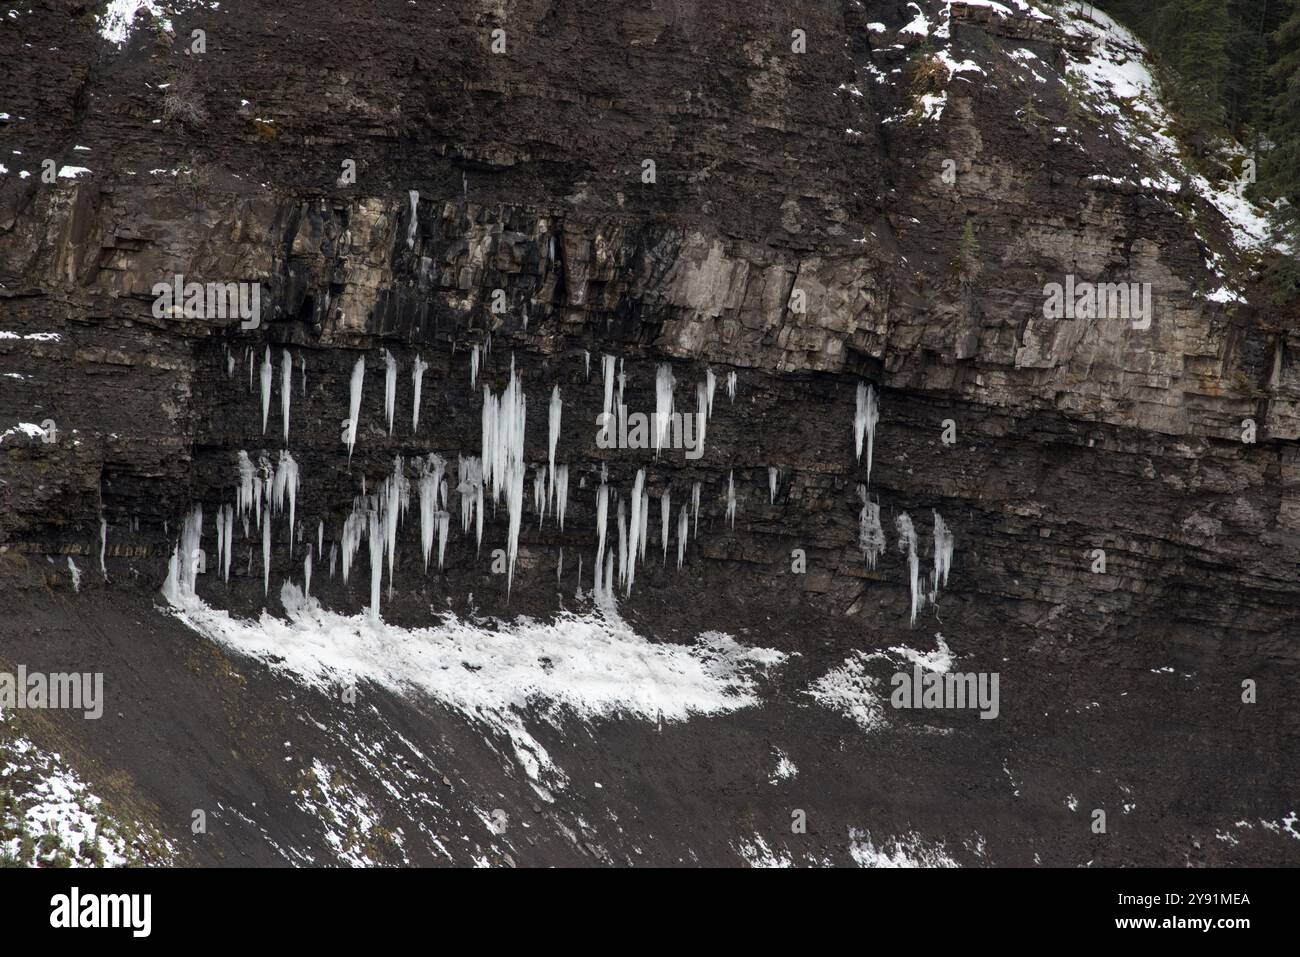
point(221, 537)
point(444, 526)
point(702, 404)
point(871, 536)
point(586, 358)
point(428, 488)
point(731, 385)
point(414, 197)
point(539, 493)
point(171, 587)
point(354, 404)
point(306, 575)
point(943, 543)
point(320, 539)
point(644, 537)
point(190, 545)
point(602, 521)
point(286, 485)
point(303, 369)
point(665, 514)
point(503, 456)
point(664, 382)
point(711, 386)
point(634, 531)
point(607, 368)
point(376, 559)
point(334, 554)
point(695, 509)
point(907, 543)
point(773, 476)
point(473, 366)
point(286, 389)
point(555, 413)
point(561, 493)
point(864, 423)
point(683, 523)
point(230, 541)
point(103, 547)
point(622, 544)
point(731, 498)
point(266, 388)
point(417, 377)
point(230, 363)
point(244, 498)
point(266, 557)
point(390, 388)
point(559, 567)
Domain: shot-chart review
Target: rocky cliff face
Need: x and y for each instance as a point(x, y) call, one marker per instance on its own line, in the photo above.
point(806, 198)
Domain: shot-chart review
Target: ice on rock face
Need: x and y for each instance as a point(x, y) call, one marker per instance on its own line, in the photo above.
point(414, 197)
point(417, 381)
point(907, 543)
point(602, 522)
point(444, 526)
point(354, 404)
point(635, 531)
point(286, 389)
point(702, 402)
point(539, 493)
point(731, 498)
point(266, 557)
point(695, 510)
point(503, 457)
point(645, 523)
point(871, 536)
point(286, 488)
point(773, 477)
point(221, 537)
point(665, 518)
point(303, 369)
point(561, 493)
point(555, 411)
point(230, 542)
point(182, 571)
point(622, 544)
point(429, 490)
point(943, 545)
point(711, 386)
point(683, 524)
point(334, 554)
point(664, 382)
point(244, 497)
point(469, 473)
point(266, 388)
point(864, 423)
point(390, 388)
point(731, 385)
point(607, 368)
point(376, 535)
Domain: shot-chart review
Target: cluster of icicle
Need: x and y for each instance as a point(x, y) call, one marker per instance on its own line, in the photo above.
point(907, 538)
point(633, 518)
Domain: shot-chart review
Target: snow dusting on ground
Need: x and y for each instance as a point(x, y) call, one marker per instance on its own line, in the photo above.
point(48, 815)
